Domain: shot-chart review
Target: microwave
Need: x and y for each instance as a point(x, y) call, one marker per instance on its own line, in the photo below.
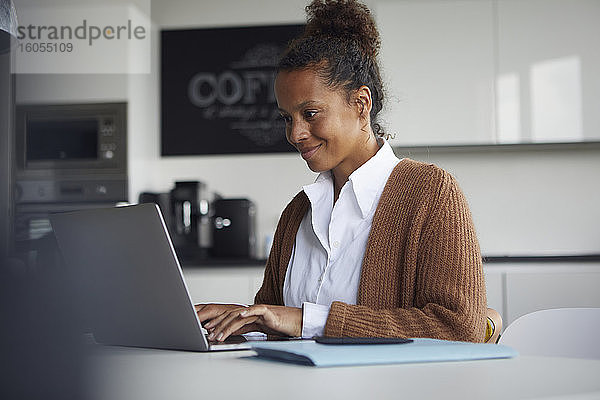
point(70, 139)
point(71, 153)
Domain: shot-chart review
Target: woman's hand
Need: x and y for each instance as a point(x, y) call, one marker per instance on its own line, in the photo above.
point(223, 320)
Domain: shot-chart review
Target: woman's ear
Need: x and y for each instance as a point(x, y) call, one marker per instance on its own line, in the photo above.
point(364, 103)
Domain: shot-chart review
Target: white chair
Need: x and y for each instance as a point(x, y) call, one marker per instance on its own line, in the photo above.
point(561, 332)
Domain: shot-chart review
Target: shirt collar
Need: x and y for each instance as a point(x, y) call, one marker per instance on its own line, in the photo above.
point(317, 191)
point(369, 179)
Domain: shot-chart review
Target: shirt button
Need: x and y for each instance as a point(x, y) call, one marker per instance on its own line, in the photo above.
point(336, 244)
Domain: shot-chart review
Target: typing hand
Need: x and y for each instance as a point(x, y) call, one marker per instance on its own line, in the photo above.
point(211, 314)
point(223, 320)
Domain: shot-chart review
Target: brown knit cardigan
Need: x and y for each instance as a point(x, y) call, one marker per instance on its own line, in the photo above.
point(421, 273)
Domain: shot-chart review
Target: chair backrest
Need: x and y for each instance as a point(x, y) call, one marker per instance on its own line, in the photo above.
point(493, 326)
point(562, 332)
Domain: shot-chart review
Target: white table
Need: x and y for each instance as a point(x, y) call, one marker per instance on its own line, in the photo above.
point(127, 373)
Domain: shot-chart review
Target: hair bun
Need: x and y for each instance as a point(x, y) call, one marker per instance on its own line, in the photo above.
point(344, 19)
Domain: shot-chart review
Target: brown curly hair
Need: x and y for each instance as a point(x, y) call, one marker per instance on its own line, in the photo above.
point(341, 43)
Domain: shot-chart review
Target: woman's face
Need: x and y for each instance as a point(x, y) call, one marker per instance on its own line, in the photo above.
point(327, 131)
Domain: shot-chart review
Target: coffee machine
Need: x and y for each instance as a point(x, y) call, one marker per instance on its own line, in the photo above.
point(202, 224)
point(187, 212)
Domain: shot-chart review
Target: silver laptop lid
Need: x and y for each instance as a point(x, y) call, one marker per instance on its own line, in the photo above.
point(131, 280)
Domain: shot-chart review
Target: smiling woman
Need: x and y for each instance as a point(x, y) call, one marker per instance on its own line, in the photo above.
point(376, 246)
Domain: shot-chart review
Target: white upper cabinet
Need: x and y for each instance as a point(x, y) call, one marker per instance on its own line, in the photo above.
point(548, 80)
point(437, 60)
point(485, 71)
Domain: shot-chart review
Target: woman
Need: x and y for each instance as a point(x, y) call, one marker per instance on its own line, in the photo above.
point(376, 246)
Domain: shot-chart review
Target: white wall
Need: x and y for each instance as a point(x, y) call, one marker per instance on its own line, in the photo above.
point(535, 201)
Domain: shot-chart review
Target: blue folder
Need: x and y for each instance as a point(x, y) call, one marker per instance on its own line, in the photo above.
point(418, 351)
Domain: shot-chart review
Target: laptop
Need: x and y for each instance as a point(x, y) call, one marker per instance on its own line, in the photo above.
point(131, 280)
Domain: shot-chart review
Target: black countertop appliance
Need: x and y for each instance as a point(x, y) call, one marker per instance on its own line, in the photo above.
point(234, 228)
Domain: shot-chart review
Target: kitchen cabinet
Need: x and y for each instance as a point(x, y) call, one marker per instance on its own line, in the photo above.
point(437, 61)
point(547, 81)
point(465, 72)
point(516, 289)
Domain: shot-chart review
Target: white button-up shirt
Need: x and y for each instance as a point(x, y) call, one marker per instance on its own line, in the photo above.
point(326, 261)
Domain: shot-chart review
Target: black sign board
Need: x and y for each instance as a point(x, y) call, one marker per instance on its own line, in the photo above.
point(217, 90)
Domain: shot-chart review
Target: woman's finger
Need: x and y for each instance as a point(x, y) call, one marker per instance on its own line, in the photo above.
point(253, 327)
point(222, 323)
point(213, 322)
point(234, 326)
point(210, 311)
